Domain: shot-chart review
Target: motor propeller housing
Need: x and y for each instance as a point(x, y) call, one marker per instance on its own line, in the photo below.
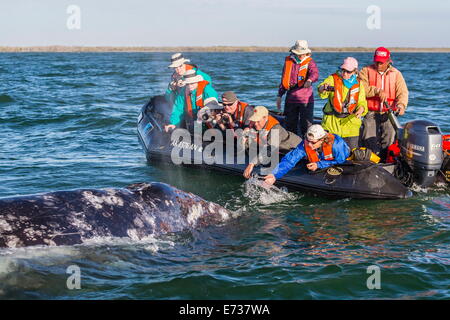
point(421, 148)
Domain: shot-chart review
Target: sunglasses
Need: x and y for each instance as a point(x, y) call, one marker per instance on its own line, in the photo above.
point(346, 71)
point(227, 104)
point(313, 142)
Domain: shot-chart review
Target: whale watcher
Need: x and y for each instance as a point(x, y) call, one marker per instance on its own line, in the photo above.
point(267, 129)
point(321, 148)
point(236, 113)
point(346, 102)
point(192, 98)
point(384, 84)
point(299, 72)
point(180, 65)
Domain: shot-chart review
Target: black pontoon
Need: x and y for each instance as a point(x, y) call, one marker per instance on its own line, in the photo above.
point(357, 179)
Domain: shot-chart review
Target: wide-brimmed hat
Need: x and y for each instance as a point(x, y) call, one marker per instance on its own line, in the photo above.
point(258, 113)
point(300, 47)
point(212, 103)
point(177, 60)
point(315, 132)
point(350, 64)
point(191, 76)
point(382, 55)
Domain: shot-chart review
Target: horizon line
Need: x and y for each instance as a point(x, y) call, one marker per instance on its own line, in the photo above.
point(220, 48)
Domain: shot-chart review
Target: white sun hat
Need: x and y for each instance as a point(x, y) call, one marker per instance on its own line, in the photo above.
point(315, 132)
point(209, 104)
point(212, 103)
point(191, 76)
point(300, 47)
point(177, 60)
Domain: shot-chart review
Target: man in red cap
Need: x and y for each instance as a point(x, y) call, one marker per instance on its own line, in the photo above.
point(382, 83)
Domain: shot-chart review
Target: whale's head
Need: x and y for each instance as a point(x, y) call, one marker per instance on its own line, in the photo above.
point(192, 208)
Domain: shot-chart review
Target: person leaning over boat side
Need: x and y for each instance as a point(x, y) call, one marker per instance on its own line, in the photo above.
point(190, 100)
point(321, 148)
point(264, 124)
point(383, 83)
point(236, 113)
point(299, 72)
point(180, 66)
point(346, 102)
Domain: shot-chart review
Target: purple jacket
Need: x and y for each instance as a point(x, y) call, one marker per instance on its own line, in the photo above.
point(301, 95)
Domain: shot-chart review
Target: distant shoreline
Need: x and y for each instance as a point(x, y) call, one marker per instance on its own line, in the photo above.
point(205, 49)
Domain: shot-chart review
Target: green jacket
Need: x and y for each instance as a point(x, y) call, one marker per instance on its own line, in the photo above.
point(344, 127)
point(171, 95)
point(179, 106)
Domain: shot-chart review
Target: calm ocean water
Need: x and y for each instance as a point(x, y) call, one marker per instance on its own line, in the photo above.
point(68, 121)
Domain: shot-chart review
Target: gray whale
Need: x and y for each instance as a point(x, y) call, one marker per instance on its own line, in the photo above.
point(71, 217)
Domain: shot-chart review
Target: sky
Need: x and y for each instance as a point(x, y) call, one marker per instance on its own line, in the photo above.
point(336, 23)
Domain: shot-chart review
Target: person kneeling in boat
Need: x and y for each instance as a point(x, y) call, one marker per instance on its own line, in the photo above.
point(236, 114)
point(346, 102)
point(322, 149)
point(187, 104)
point(176, 84)
point(264, 125)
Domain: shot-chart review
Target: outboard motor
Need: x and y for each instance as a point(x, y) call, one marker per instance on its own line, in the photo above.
point(421, 148)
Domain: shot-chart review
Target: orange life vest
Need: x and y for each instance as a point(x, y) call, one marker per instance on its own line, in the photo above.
point(198, 97)
point(387, 82)
point(239, 113)
point(190, 66)
point(327, 149)
point(271, 122)
point(287, 69)
point(351, 103)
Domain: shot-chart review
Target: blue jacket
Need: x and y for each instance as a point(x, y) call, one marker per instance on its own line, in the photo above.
point(340, 149)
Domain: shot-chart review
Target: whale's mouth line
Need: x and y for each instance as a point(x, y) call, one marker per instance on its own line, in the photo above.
point(64, 234)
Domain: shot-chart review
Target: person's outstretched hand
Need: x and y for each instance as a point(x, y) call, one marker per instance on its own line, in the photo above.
point(312, 166)
point(169, 127)
point(248, 170)
point(270, 179)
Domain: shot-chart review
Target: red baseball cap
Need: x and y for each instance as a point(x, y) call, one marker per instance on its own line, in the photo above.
point(382, 55)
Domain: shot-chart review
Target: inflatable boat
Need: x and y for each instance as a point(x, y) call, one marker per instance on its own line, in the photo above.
point(421, 162)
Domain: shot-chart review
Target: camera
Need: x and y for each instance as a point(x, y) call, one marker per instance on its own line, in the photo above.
point(225, 118)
